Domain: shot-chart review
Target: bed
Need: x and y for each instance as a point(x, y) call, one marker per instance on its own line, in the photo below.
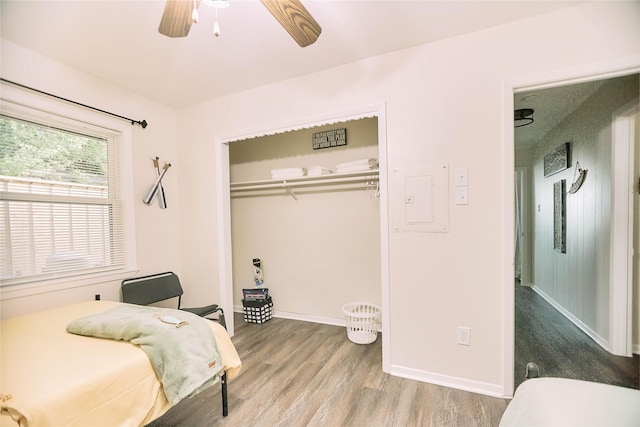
point(51, 377)
point(566, 402)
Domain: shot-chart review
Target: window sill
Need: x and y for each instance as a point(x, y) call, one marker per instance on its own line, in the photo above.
point(8, 292)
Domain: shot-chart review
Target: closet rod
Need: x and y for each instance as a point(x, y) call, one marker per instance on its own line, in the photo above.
point(280, 184)
point(142, 123)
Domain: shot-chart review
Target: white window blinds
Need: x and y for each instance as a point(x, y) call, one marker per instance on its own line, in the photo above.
point(61, 208)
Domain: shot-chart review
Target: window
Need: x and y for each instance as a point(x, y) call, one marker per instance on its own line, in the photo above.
point(61, 204)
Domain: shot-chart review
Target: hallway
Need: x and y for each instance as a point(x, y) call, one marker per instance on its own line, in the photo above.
point(561, 349)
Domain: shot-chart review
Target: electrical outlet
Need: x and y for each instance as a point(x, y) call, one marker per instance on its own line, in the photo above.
point(464, 335)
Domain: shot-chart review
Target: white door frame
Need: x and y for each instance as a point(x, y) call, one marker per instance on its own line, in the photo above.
point(621, 277)
point(524, 217)
point(586, 72)
point(225, 262)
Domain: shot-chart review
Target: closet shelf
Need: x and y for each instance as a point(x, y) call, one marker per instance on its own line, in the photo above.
point(365, 177)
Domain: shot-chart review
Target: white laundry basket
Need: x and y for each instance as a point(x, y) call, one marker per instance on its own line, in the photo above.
point(363, 321)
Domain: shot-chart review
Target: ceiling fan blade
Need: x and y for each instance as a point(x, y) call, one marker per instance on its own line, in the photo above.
point(296, 19)
point(177, 18)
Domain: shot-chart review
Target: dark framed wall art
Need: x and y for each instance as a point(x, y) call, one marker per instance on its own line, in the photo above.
point(560, 216)
point(557, 160)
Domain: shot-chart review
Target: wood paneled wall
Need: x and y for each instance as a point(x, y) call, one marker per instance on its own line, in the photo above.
point(577, 282)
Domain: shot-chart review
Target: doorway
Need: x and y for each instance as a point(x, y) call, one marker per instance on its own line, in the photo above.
point(223, 192)
point(313, 226)
point(573, 295)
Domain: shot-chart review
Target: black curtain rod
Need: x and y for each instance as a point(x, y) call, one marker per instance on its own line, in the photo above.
point(142, 123)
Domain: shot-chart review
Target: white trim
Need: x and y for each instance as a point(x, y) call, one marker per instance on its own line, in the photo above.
point(302, 317)
point(621, 257)
point(293, 125)
point(46, 286)
point(224, 204)
point(19, 100)
point(586, 72)
point(525, 272)
point(573, 319)
point(384, 238)
point(458, 383)
point(508, 270)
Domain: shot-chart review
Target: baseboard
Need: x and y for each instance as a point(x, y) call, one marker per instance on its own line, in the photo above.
point(573, 319)
point(302, 317)
point(399, 371)
point(472, 386)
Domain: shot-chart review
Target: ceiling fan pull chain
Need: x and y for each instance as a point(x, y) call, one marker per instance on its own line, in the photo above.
point(194, 14)
point(216, 26)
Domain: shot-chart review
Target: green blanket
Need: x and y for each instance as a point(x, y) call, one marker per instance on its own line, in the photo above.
point(185, 358)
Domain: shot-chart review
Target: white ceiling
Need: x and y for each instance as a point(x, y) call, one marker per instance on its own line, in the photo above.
point(118, 41)
point(550, 106)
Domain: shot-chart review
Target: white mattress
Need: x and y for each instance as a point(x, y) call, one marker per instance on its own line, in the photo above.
point(51, 377)
point(566, 402)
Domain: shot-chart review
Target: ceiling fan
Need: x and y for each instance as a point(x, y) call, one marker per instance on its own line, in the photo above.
point(291, 14)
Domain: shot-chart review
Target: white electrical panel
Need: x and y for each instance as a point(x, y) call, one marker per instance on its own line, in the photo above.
point(418, 200)
point(421, 203)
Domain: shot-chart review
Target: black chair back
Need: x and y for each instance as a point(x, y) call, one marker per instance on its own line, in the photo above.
point(149, 289)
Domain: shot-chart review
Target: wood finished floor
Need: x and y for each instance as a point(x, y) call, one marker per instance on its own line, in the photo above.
point(561, 349)
point(306, 374)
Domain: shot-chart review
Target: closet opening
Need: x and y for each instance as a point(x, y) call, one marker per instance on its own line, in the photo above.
point(321, 236)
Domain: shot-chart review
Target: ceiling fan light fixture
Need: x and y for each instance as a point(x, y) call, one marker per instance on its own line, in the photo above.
point(523, 117)
point(216, 29)
point(179, 15)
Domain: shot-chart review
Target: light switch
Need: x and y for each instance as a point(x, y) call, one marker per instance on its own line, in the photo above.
point(462, 195)
point(462, 177)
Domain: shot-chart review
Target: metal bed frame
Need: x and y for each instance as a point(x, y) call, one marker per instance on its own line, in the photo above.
point(146, 290)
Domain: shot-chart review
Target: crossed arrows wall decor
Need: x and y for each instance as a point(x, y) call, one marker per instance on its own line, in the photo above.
point(156, 189)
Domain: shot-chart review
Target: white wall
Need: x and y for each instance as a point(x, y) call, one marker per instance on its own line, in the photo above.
point(320, 251)
point(444, 104)
point(578, 280)
point(157, 231)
